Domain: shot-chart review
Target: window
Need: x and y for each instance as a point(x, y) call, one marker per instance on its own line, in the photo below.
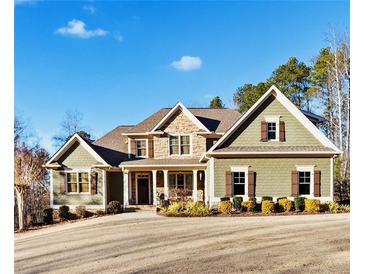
point(78, 182)
point(304, 181)
point(239, 181)
point(181, 181)
point(174, 145)
point(179, 144)
point(141, 150)
point(271, 130)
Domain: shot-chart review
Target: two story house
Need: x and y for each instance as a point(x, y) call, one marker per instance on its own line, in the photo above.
point(273, 149)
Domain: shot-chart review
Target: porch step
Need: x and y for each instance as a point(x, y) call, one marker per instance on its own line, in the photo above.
point(140, 208)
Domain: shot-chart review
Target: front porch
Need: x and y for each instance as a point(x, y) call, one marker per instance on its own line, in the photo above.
point(146, 186)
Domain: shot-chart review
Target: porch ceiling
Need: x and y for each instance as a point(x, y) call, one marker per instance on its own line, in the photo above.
point(159, 163)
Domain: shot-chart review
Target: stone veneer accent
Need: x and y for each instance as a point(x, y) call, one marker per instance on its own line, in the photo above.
point(179, 124)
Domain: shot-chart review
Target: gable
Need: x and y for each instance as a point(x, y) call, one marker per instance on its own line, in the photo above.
point(248, 133)
point(179, 123)
point(77, 156)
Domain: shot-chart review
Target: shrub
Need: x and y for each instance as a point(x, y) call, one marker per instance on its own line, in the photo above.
point(225, 207)
point(299, 203)
point(333, 207)
point(225, 199)
point(285, 204)
point(164, 203)
point(344, 208)
point(197, 209)
point(267, 207)
point(237, 203)
point(114, 207)
point(176, 207)
point(48, 215)
point(81, 211)
point(64, 212)
point(312, 205)
point(266, 198)
point(99, 213)
point(248, 206)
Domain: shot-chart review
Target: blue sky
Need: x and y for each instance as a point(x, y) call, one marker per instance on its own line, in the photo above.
point(117, 62)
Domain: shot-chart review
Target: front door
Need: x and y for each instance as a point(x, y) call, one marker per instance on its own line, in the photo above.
point(142, 185)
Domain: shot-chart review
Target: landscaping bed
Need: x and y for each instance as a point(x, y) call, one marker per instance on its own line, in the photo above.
point(236, 207)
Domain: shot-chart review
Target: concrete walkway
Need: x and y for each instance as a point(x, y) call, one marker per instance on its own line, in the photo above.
point(143, 242)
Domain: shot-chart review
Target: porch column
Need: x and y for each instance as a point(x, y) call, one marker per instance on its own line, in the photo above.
point(205, 187)
point(105, 191)
point(195, 185)
point(154, 188)
point(165, 184)
point(126, 188)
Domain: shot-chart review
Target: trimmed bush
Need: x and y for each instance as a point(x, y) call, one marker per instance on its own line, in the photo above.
point(333, 207)
point(64, 212)
point(299, 203)
point(344, 208)
point(176, 207)
point(81, 211)
point(48, 215)
point(312, 205)
point(237, 203)
point(248, 206)
point(284, 204)
point(225, 207)
point(267, 207)
point(114, 207)
point(197, 209)
point(266, 198)
point(225, 199)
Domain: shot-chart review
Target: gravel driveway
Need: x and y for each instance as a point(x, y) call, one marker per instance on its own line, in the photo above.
point(143, 242)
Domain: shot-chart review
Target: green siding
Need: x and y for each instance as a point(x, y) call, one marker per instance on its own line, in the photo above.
point(273, 175)
point(250, 132)
point(77, 199)
point(77, 157)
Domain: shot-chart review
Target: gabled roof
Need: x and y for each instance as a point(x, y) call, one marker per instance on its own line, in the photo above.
point(215, 120)
point(291, 108)
point(87, 145)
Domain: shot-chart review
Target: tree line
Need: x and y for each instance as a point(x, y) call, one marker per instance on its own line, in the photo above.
point(324, 84)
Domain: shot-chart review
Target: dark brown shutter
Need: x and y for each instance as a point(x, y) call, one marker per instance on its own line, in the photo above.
point(294, 183)
point(228, 183)
point(133, 148)
point(263, 131)
point(282, 131)
point(317, 183)
point(150, 148)
point(63, 182)
point(251, 184)
point(94, 182)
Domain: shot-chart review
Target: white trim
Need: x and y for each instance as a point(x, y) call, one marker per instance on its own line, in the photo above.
point(51, 187)
point(307, 168)
point(135, 143)
point(136, 185)
point(195, 184)
point(240, 169)
point(77, 171)
point(126, 188)
point(69, 143)
point(186, 112)
point(211, 180)
point(206, 198)
point(179, 135)
point(331, 179)
point(154, 187)
point(105, 195)
point(166, 184)
point(291, 108)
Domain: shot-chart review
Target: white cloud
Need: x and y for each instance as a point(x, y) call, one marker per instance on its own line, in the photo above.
point(77, 28)
point(89, 9)
point(187, 63)
point(118, 36)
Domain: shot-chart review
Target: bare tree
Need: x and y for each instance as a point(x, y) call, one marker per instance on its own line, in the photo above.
point(71, 124)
